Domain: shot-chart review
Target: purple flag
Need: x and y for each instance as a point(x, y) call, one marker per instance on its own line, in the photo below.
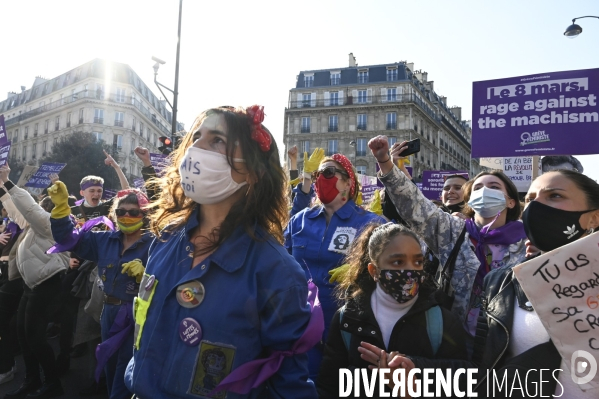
point(71, 241)
point(3, 138)
point(159, 162)
point(253, 374)
point(555, 113)
point(41, 178)
point(120, 330)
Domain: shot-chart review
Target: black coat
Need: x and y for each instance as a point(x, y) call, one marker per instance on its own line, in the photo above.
point(493, 334)
point(409, 337)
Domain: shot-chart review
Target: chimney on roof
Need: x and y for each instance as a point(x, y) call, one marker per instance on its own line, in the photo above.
point(22, 89)
point(410, 66)
point(352, 60)
point(457, 111)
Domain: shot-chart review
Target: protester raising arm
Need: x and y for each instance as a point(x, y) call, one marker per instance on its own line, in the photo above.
point(109, 161)
point(148, 172)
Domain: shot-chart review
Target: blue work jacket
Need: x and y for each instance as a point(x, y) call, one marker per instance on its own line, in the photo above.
point(301, 200)
point(319, 248)
point(106, 249)
point(254, 302)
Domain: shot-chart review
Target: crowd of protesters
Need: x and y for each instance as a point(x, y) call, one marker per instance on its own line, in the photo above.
point(231, 275)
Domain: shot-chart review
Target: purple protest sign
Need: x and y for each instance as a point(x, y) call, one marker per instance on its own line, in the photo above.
point(433, 180)
point(41, 178)
point(159, 162)
point(139, 183)
point(3, 138)
point(4, 151)
point(545, 114)
point(108, 193)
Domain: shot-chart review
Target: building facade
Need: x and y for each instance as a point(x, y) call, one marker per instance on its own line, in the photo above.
point(340, 109)
point(104, 98)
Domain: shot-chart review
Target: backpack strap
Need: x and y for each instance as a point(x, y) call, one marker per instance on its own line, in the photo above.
point(346, 335)
point(434, 327)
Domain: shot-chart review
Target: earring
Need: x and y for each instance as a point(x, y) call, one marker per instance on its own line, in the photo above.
point(591, 230)
point(343, 196)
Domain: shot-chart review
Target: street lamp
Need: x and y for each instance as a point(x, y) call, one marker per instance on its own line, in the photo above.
point(574, 30)
point(176, 90)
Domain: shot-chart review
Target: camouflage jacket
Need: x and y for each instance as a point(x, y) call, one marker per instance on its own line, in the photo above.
point(440, 231)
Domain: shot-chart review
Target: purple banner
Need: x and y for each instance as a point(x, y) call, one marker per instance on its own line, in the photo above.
point(4, 151)
point(40, 179)
point(138, 183)
point(108, 193)
point(545, 114)
point(3, 138)
point(433, 180)
point(159, 162)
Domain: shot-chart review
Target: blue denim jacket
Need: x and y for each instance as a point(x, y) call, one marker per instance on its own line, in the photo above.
point(255, 302)
point(105, 248)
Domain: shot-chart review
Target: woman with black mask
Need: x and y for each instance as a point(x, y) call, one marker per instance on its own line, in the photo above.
point(511, 337)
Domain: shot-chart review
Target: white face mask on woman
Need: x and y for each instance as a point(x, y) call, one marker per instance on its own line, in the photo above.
point(487, 202)
point(206, 176)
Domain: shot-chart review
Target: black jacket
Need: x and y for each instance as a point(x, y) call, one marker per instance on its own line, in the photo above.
point(409, 337)
point(493, 336)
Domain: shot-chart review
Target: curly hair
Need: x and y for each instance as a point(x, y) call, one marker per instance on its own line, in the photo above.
point(365, 249)
point(265, 203)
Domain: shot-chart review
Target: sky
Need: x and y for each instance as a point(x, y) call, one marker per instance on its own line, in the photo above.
point(250, 52)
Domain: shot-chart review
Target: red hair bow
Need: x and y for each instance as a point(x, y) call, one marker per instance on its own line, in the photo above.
point(259, 135)
point(142, 200)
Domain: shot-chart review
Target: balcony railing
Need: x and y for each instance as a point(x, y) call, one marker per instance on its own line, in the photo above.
point(391, 126)
point(305, 129)
point(80, 121)
point(333, 128)
point(361, 127)
point(99, 120)
point(119, 123)
point(360, 153)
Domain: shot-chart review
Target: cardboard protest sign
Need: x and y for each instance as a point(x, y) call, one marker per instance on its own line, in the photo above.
point(41, 179)
point(433, 180)
point(159, 162)
point(26, 174)
point(518, 169)
point(553, 113)
point(4, 151)
point(563, 287)
point(3, 138)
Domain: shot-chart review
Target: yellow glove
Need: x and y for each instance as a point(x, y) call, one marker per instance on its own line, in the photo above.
point(134, 269)
point(295, 182)
point(403, 162)
point(375, 204)
point(60, 197)
point(312, 163)
point(338, 273)
point(360, 199)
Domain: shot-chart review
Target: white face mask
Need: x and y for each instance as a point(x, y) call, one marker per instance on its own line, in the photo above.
point(487, 202)
point(206, 176)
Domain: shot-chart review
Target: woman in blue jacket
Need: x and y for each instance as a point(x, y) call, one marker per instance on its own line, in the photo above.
point(221, 301)
point(120, 255)
point(319, 237)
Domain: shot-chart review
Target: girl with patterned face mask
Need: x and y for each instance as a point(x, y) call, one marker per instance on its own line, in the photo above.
point(388, 319)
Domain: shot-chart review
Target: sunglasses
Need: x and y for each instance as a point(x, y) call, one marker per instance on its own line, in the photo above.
point(132, 212)
point(329, 172)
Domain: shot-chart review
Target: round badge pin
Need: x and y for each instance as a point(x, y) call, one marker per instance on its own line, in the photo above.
point(190, 294)
point(190, 331)
point(150, 282)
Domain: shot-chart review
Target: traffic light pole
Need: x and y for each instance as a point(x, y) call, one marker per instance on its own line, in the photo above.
point(176, 92)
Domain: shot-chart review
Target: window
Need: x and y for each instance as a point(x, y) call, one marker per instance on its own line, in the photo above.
point(333, 123)
point(391, 75)
point(15, 136)
point(133, 124)
point(133, 98)
point(35, 128)
point(392, 94)
point(57, 123)
point(120, 95)
point(305, 125)
point(361, 169)
point(392, 140)
point(34, 151)
point(97, 135)
point(362, 76)
point(331, 147)
point(47, 126)
point(73, 95)
point(98, 116)
point(133, 145)
point(308, 81)
point(361, 146)
point(306, 99)
point(361, 122)
point(99, 91)
point(85, 90)
point(44, 148)
point(55, 141)
point(335, 78)
point(141, 128)
point(61, 99)
point(24, 153)
point(119, 119)
point(117, 141)
point(304, 146)
point(391, 121)
point(69, 119)
point(26, 132)
point(81, 115)
point(334, 98)
point(362, 96)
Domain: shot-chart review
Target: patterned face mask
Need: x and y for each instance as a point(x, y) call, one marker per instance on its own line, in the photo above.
point(402, 285)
